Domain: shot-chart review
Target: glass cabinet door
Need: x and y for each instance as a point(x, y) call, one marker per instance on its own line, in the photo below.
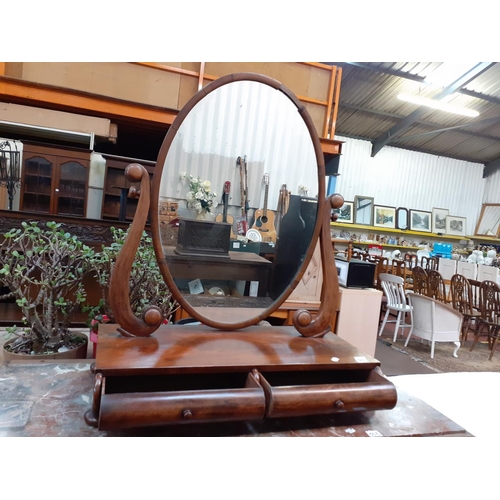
point(37, 184)
point(72, 187)
point(54, 181)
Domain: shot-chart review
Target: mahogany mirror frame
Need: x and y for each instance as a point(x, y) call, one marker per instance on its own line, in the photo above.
point(155, 196)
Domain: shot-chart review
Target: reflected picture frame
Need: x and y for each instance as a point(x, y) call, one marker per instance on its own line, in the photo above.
point(420, 220)
point(439, 220)
point(384, 216)
point(345, 213)
point(456, 226)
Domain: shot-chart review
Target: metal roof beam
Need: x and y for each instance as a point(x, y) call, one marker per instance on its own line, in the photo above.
point(424, 123)
point(421, 79)
point(407, 122)
point(388, 71)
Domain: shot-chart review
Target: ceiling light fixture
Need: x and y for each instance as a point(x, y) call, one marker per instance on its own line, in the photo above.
point(442, 106)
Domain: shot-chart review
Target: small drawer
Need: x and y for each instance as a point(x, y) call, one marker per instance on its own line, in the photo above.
point(319, 393)
point(122, 410)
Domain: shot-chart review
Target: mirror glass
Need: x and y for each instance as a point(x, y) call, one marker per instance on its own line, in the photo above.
point(363, 210)
point(489, 221)
point(402, 218)
point(245, 153)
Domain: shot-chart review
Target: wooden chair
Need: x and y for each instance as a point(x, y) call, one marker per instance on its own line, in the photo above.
point(399, 268)
point(489, 322)
point(419, 277)
point(461, 300)
point(434, 321)
point(436, 288)
point(394, 291)
point(429, 263)
point(411, 260)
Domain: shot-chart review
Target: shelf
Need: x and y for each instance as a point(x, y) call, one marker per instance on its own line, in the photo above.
point(383, 245)
point(398, 231)
point(491, 239)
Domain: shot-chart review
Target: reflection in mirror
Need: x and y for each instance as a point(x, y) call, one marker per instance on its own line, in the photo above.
point(250, 148)
point(489, 220)
point(402, 218)
point(363, 210)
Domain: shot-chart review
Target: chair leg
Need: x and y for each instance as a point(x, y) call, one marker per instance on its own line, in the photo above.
point(476, 336)
point(398, 320)
point(493, 343)
point(411, 328)
point(384, 322)
point(432, 348)
point(455, 355)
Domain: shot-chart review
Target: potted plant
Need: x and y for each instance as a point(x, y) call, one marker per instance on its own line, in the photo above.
point(147, 286)
point(44, 268)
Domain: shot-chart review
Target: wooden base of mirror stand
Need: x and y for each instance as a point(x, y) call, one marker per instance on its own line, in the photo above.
point(186, 373)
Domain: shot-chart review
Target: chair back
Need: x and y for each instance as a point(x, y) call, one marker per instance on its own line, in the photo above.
point(476, 294)
point(490, 302)
point(461, 294)
point(393, 288)
point(419, 275)
point(433, 319)
point(411, 260)
point(429, 263)
point(399, 268)
point(436, 288)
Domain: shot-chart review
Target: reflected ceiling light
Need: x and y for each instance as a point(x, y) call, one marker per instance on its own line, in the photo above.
point(441, 105)
point(448, 72)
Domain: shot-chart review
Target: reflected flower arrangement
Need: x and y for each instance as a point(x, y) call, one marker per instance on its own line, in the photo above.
point(199, 196)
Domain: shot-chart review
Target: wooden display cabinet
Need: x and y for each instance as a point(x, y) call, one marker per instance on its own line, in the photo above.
point(114, 181)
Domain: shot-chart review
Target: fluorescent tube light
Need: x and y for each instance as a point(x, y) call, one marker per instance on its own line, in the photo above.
point(443, 106)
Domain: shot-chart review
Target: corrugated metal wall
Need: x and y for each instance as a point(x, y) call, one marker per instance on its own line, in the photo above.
point(492, 190)
point(419, 181)
point(242, 119)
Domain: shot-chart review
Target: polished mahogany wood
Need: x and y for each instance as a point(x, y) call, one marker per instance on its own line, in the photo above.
point(192, 373)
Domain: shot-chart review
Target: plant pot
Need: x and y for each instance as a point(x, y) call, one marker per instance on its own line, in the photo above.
point(79, 352)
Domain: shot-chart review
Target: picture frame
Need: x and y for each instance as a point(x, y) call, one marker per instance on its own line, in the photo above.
point(420, 220)
point(489, 221)
point(363, 210)
point(439, 220)
point(384, 216)
point(402, 218)
point(345, 212)
point(456, 226)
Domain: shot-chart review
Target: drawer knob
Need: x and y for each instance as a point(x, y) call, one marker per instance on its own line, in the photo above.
point(187, 414)
point(339, 404)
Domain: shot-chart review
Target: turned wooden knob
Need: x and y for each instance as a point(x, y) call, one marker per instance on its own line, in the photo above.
point(152, 315)
point(187, 414)
point(337, 200)
point(339, 404)
point(303, 318)
point(133, 172)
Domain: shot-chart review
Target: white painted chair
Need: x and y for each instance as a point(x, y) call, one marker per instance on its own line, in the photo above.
point(434, 321)
point(393, 287)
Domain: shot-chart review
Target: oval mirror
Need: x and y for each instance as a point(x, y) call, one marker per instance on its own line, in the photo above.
point(245, 149)
point(402, 218)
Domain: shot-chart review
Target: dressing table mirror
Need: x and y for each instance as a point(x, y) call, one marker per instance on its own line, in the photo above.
point(246, 131)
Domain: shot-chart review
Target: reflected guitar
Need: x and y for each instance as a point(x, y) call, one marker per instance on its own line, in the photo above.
point(224, 217)
point(264, 218)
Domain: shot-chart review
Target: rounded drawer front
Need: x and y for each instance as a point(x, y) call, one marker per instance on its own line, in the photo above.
point(128, 410)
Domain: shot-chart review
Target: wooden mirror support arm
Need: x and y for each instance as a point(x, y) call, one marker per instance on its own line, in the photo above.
point(131, 325)
point(330, 293)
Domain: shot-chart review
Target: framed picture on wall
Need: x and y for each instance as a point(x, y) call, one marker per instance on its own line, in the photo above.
point(420, 221)
point(456, 226)
point(439, 220)
point(345, 212)
point(384, 216)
